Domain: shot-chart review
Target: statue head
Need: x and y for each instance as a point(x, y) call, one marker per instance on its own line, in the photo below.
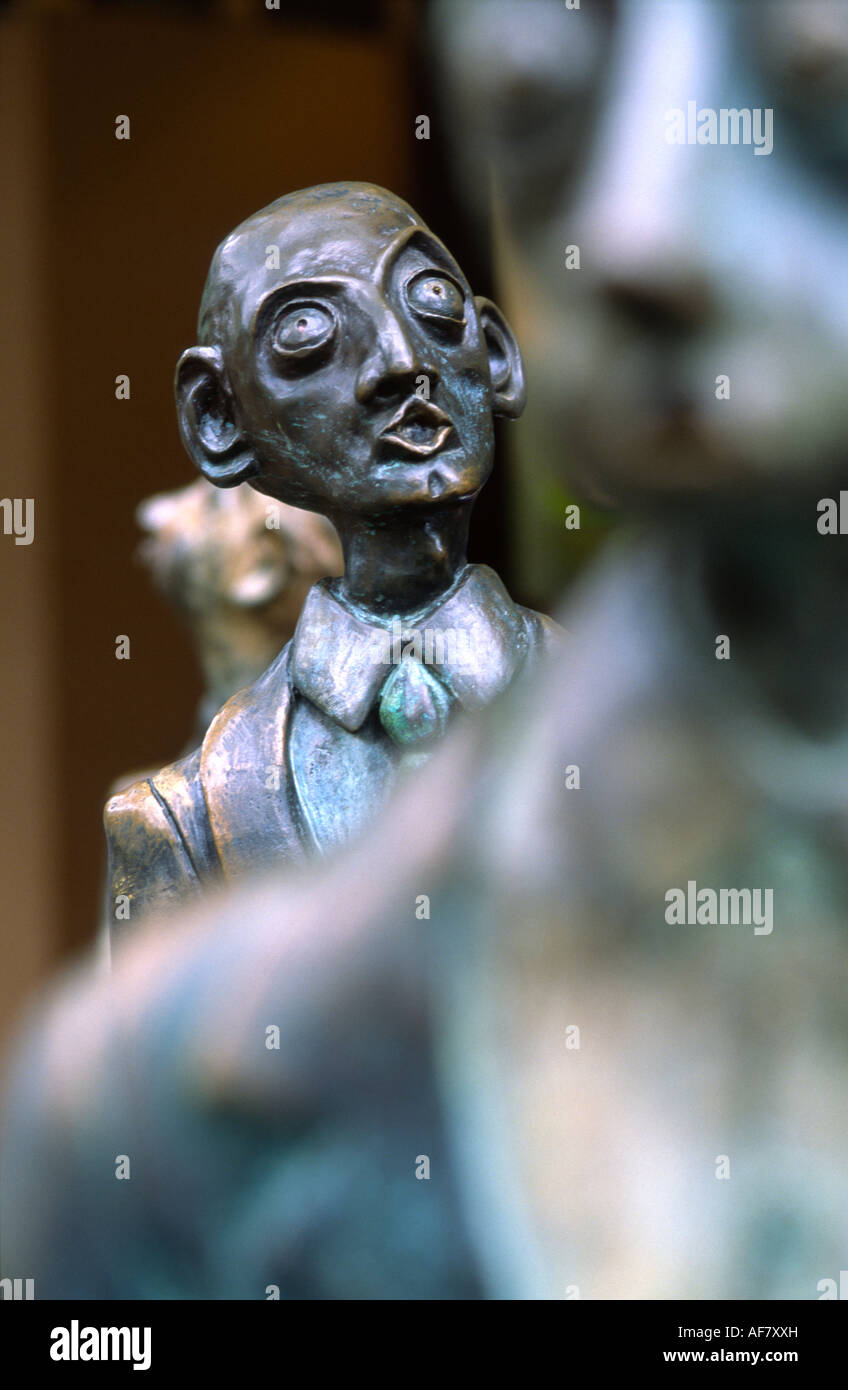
point(673, 230)
point(343, 363)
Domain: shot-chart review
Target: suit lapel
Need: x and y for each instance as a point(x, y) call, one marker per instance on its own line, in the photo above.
point(250, 797)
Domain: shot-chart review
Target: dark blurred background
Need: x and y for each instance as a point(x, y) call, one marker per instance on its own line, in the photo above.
point(105, 247)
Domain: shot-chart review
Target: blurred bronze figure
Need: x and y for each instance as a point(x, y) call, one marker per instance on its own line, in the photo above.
point(237, 568)
point(261, 1062)
point(344, 366)
point(671, 831)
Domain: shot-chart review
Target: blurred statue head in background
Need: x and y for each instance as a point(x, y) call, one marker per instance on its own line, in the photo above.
point(236, 567)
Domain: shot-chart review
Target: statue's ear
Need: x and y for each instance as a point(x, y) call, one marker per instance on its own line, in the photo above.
point(207, 416)
point(505, 362)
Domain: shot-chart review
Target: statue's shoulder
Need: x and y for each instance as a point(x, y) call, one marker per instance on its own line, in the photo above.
point(249, 729)
point(226, 809)
point(249, 799)
point(251, 716)
point(152, 860)
point(163, 830)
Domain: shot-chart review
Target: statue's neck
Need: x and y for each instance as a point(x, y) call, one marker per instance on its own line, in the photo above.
point(399, 563)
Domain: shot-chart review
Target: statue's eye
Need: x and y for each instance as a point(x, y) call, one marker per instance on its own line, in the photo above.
point(302, 329)
point(436, 297)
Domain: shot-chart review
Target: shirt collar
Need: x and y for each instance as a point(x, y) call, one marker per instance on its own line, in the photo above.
point(474, 640)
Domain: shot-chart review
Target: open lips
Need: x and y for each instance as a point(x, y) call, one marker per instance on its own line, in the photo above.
point(419, 428)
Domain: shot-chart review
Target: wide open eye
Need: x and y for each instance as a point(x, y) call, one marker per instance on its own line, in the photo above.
point(434, 296)
point(302, 329)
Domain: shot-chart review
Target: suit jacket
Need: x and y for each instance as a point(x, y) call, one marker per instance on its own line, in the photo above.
point(280, 774)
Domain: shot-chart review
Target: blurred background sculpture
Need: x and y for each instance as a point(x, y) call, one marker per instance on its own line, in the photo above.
point(345, 366)
point(236, 567)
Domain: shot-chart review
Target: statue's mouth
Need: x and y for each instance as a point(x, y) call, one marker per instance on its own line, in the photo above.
point(419, 428)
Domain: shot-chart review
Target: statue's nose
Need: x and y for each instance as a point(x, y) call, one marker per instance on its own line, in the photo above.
point(646, 259)
point(394, 363)
point(640, 209)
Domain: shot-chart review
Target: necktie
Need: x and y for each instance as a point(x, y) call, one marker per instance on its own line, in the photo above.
point(414, 705)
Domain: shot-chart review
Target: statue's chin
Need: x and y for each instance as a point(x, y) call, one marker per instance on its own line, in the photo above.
point(445, 477)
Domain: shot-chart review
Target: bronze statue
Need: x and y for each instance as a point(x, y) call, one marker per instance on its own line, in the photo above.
point(344, 366)
point(706, 1050)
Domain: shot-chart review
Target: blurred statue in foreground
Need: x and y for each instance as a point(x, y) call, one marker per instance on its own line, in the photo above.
point(344, 366)
point(261, 1064)
point(236, 567)
point(662, 958)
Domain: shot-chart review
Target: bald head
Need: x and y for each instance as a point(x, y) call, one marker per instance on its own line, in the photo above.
point(287, 238)
point(344, 364)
